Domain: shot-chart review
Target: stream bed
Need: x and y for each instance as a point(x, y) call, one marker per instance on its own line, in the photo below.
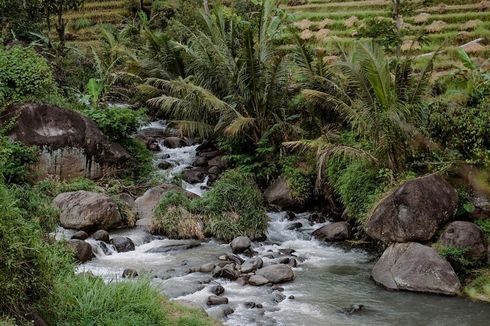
point(328, 277)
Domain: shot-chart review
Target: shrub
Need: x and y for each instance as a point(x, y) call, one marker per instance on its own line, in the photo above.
point(457, 257)
point(479, 287)
point(23, 73)
point(117, 123)
point(299, 172)
point(30, 264)
point(86, 300)
point(82, 23)
point(15, 159)
point(142, 156)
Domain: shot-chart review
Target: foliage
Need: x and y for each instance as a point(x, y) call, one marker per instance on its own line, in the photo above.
point(479, 287)
point(23, 73)
point(382, 30)
point(142, 156)
point(87, 300)
point(484, 224)
point(299, 171)
point(116, 122)
point(19, 18)
point(15, 160)
point(30, 263)
point(83, 23)
point(458, 258)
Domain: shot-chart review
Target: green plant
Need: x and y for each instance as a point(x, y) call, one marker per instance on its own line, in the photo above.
point(458, 258)
point(24, 73)
point(142, 156)
point(86, 300)
point(30, 263)
point(484, 224)
point(82, 23)
point(382, 30)
point(479, 287)
point(15, 160)
point(117, 123)
point(300, 172)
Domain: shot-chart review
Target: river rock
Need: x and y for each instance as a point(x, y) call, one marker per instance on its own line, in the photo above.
point(240, 244)
point(227, 310)
point(207, 268)
point(195, 175)
point(218, 162)
point(277, 273)
point(415, 267)
point(215, 300)
point(251, 265)
point(279, 194)
point(200, 162)
point(414, 211)
point(80, 235)
point(192, 305)
point(129, 273)
point(242, 281)
point(71, 145)
point(217, 289)
point(176, 245)
point(465, 235)
point(123, 244)
point(339, 231)
point(81, 249)
point(228, 271)
point(482, 205)
point(101, 235)
point(174, 142)
point(84, 210)
point(257, 280)
point(278, 296)
point(164, 165)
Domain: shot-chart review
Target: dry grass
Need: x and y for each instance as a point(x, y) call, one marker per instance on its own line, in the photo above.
point(303, 24)
point(410, 45)
point(483, 5)
point(322, 34)
point(463, 36)
point(442, 8)
point(436, 26)
point(324, 23)
point(421, 18)
point(473, 48)
point(471, 25)
point(306, 34)
point(330, 59)
point(350, 22)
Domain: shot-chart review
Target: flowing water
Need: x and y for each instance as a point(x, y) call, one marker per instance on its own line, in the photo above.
point(327, 279)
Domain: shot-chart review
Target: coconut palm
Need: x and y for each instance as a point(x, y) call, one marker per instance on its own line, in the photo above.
point(236, 81)
point(379, 99)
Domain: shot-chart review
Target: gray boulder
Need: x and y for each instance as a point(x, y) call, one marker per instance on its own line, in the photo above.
point(83, 210)
point(414, 211)
point(277, 273)
point(80, 235)
point(101, 235)
point(240, 244)
point(81, 249)
point(174, 142)
point(251, 265)
point(415, 267)
point(339, 231)
point(228, 271)
point(465, 235)
point(257, 280)
point(123, 244)
point(279, 194)
point(215, 300)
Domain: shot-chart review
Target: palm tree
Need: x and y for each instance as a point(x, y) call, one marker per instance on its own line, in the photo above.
point(378, 99)
point(236, 78)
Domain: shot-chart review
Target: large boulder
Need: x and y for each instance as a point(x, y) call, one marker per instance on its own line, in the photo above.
point(146, 204)
point(338, 231)
point(414, 211)
point(123, 244)
point(174, 142)
point(84, 210)
point(277, 273)
point(70, 144)
point(415, 267)
point(81, 249)
point(279, 194)
point(465, 235)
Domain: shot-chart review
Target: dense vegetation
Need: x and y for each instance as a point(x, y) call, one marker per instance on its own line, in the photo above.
point(347, 130)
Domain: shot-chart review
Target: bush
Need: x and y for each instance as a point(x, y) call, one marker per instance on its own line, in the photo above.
point(117, 123)
point(29, 263)
point(300, 173)
point(82, 23)
point(23, 73)
point(142, 156)
point(357, 183)
point(458, 258)
point(15, 159)
point(479, 287)
point(86, 300)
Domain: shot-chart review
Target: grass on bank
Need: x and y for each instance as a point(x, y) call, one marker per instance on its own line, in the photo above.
point(479, 287)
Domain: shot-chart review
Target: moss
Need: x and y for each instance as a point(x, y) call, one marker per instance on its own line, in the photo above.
point(479, 287)
point(484, 224)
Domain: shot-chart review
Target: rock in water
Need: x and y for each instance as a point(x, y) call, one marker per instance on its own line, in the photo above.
point(129, 273)
point(217, 289)
point(415, 267)
point(226, 272)
point(352, 309)
point(81, 249)
point(101, 235)
point(414, 211)
point(465, 235)
point(83, 210)
point(338, 231)
point(240, 244)
point(174, 142)
point(214, 300)
point(123, 244)
point(277, 273)
point(257, 280)
point(279, 194)
point(80, 235)
point(251, 265)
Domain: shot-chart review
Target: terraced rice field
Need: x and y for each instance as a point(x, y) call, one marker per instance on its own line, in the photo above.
point(447, 24)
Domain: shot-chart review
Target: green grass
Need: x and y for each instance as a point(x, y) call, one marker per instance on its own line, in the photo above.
point(87, 300)
point(479, 287)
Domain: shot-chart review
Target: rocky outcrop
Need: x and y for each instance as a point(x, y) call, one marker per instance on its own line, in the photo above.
point(414, 211)
point(277, 273)
point(71, 145)
point(83, 210)
point(465, 235)
point(339, 231)
point(415, 267)
point(279, 194)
